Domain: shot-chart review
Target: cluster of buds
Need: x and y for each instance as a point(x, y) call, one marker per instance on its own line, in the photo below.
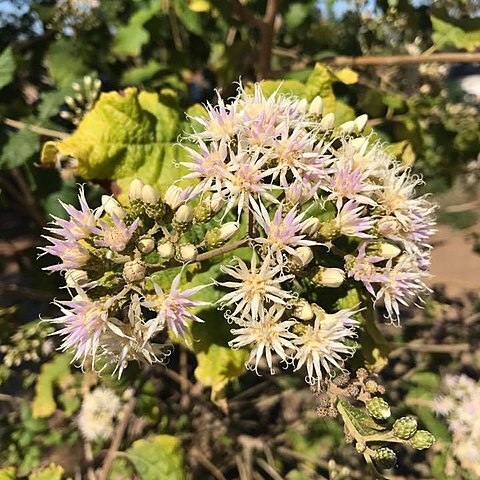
point(459, 404)
point(85, 95)
point(28, 344)
point(319, 206)
point(365, 414)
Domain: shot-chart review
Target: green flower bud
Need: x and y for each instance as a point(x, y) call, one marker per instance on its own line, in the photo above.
point(183, 217)
point(378, 408)
point(385, 457)
point(134, 271)
point(421, 440)
point(405, 428)
point(371, 386)
point(219, 235)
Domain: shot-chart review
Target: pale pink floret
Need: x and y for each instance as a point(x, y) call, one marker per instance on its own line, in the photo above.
point(283, 233)
point(349, 220)
point(116, 236)
point(172, 308)
point(362, 268)
point(73, 255)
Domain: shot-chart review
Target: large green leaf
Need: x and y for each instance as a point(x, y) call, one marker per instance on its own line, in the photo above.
point(446, 34)
point(363, 423)
point(125, 136)
point(7, 473)
point(157, 457)
point(66, 61)
point(7, 67)
point(130, 38)
point(43, 404)
point(21, 146)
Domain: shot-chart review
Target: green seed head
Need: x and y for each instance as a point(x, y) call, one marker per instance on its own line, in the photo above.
point(378, 408)
point(421, 440)
point(385, 457)
point(405, 428)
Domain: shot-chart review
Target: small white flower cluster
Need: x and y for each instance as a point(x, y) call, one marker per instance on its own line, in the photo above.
point(97, 414)
point(320, 207)
point(460, 406)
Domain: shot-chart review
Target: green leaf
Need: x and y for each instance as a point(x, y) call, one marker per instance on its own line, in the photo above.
point(125, 136)
point(447, 34)
point(21, 146)
point(52, 472)
point(403, 151)
point(43, 404)
point(296, 14)
point(130, 38)
point(320, 83)
point(142, 73)
point(287, 87)
point(363, 423)
point(66, 61)
point(190, 19)
point(7, 67)
point(157, 457)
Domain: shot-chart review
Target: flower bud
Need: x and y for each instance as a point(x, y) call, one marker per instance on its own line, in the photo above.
point(76, 86)
point(421, 440)
point(183, 216)
point(327, 122)
point(302, 310)
point(87, 80)
point(76, 277)
point(361, 122)
point(70, 102)
point(359, 144)
point(378, 408)
point(316, 107)
point(303, 256)
point(404, 428)
point(112, 207)
point(388, 250)
point(173, 197)
point(311, 226)
point(347, 127)
point(218, 235)
point(360, 447)
point(303, 105)
point(146, 245)
point(385, 457)
point(329, 277)
point(371, 386)
point(187, 252)
point(134, 271)
point(387, 226)
point(166, 249)
point(149, 195)
point(216, 203)
point(135, 189)
point(97, 84)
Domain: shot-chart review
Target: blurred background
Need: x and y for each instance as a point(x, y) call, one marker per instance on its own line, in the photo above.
point(413, 66)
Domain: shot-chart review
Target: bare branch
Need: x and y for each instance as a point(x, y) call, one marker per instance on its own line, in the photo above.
point(40, 130)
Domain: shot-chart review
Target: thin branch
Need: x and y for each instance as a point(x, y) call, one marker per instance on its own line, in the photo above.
point(120, 430)
point(242, 12)
point(451, 349)
point(23, 292)
point(40, 130)
point(221, 250)
point(207, 464)
point(269, 469)
point(379, 60)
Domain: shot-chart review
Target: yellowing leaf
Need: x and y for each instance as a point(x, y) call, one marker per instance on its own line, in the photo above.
point(8, 473)
point(347, 76)
point(125, 136)
point(320, 83)
point(43, 404)
point(287, 87)
point(199, 5)
point(157, 457)
point(403, 151)
point(52, 472)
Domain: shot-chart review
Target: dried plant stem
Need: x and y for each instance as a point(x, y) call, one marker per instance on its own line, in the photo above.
point(34, 128)
point(229, 247)
point(117, 438)
point(207, 464)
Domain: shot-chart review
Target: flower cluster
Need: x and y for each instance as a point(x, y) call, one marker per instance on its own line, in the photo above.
point(318, 208)
point(459, 405)
point(97, 414)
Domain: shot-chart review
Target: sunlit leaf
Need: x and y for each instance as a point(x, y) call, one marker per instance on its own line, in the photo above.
point(52, 472)
point(7, 67)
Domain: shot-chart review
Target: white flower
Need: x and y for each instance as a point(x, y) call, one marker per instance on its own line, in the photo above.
point(322, 348)
point(254, 287)
point(266, 335)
